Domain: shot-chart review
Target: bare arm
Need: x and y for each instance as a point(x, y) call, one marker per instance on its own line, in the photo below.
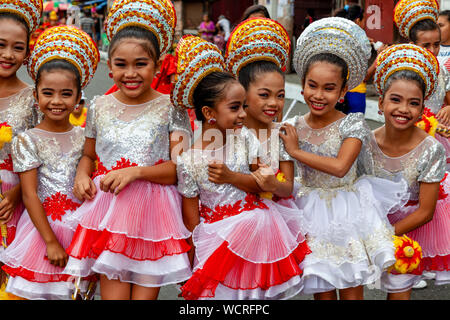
point(191, 218)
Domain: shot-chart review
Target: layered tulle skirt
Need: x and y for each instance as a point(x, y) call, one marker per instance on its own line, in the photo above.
point(255, 254)
point(32, 276)
point(348, 232)
point(137, 236)
point(433, 237)
point(10, 180)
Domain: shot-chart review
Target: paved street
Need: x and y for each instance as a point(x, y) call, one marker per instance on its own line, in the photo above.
point(101, 82)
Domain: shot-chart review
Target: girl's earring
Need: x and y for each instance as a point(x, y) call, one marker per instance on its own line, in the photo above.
point(302, 92)
point(212, 121)
point(110, 75)
point(341, 100)
point(380, 112)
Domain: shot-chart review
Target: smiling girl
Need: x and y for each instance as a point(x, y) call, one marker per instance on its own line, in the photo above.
point(244, 248)
point(130, 228)
point(45, 158)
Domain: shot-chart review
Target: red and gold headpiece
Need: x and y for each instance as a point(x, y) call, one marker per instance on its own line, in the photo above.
point(30, 10)
point(408, 12)
point(68, 43)
point(158, 16)
point(196, 58)
point(257, 39)
point(406, 57)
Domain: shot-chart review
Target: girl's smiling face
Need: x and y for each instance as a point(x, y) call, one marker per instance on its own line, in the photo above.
point(402, 104)
point(323, 87)
point(13, 47)
point(265, 97)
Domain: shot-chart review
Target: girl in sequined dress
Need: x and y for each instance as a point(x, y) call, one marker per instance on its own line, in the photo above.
point(246, 247)
point(46, 158)
point(260, 72)
point(406, 75)
point(130, 228)
point(344, 213)
point(18, 19)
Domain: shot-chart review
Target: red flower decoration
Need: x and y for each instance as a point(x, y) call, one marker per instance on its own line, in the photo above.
point(123, 163)
point(442, 194)
point(100, 169)
point(7, 164)
point(57, 204)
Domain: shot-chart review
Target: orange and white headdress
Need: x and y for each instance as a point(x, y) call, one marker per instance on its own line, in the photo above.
point(255, 40)
point(196, 58)
point(408, 12)
point(406, 57)
point(68, 43)
point(30, 10)
point(157, 16)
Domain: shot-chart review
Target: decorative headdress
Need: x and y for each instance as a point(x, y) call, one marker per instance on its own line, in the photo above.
point(30, 10)
point(68, 43)
point(196, 58)
point(157, 16)
point(337, 36)
point(257, 39)
point(407, 57)
point(408, 12)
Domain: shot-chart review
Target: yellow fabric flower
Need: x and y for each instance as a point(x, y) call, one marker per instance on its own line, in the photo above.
point(5, 134)
point(408, 254)
point(268, 195)
point(428, 123)
point(80, 121)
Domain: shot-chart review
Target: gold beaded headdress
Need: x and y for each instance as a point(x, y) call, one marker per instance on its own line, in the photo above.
point(408, 12)
point(68, 43)
point(257, 39)
point(406, 57)
point(337, 36)
point(196, 58)
point(30, 10)
point(157, 16)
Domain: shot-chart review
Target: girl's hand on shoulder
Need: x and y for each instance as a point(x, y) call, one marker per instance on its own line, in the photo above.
point(11, 199)
point(443, 116)
point(265, 178)
point(219, 173)
point(84, 188)
point(116, 180)
point(290, 138)
point(56, 254)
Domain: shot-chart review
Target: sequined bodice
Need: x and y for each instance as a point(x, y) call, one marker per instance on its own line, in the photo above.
point(192, 170)
point(18, 111)
point(139, 133)
point(272, 149)
point(55, 155)
point(326, 142)
point(425, 163)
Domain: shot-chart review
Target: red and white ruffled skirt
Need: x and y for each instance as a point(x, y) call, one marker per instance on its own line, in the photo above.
point(137, 236)
point(433, 237)
point(10, 180)
point(254, 254)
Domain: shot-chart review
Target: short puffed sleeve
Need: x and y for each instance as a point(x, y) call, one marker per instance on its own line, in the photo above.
point(354, 126)
point(431, 164)
point(187, 186)
point(90, 128)
point(179, 120)
point(24, 153)
point(252, 145)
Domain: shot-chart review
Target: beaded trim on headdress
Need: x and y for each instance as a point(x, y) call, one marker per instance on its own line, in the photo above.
point(196, 58)
point(406, 57)
point(30, 10)
point(158, 16)
point(408, 12)
point(257, 39)
point(337, 36)
point(68, 43)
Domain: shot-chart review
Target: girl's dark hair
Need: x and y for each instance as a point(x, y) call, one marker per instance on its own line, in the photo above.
point(59, 64)
point(136, 32)
point(210, 90)
point(422, 25)
point(255, 9)
point(352, 13)
point(330, 58)
point(404, 75)
point(445, 13)
point(19, 19)
point(248, 73)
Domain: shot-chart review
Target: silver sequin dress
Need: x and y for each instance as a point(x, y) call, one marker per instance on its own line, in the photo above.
point(245, 247)
point(425, 163)
point(55, 157)
point(345, 218)
point(19, 112)
point(137, 236)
